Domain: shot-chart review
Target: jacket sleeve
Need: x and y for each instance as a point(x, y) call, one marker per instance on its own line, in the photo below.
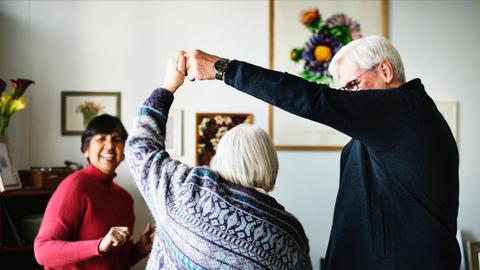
point(374, 117)
point(53, 245)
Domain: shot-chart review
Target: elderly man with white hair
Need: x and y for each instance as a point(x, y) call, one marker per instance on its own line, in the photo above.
point(397, 202)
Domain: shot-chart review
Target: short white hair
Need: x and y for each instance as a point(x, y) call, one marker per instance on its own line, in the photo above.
point(368, 52)
point(246, 156)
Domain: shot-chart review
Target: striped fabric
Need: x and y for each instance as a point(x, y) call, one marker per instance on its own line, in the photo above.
point(204, 222)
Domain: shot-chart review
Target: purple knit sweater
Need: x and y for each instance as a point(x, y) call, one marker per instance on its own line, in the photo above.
point(204, 222)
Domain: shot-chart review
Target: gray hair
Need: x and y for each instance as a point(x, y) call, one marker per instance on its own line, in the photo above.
point(368, 52)
point(246, 156)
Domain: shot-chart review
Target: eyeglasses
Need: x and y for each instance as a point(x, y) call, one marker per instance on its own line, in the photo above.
point(353, 84)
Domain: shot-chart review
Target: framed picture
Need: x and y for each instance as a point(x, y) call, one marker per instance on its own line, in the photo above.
point(210, 128)
point(174, 133)
point(9, 178)
point(474, 255)
point(79, 107)
point(449, 111)
point(288, 131)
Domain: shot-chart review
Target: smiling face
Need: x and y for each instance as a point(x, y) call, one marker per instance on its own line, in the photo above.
point(105, 151)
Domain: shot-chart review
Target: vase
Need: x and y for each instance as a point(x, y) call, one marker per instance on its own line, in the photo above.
point(88, 116)
point(4, 121)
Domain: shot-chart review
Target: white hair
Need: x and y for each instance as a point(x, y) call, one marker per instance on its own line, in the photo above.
point(246, 156)
point(368, 52)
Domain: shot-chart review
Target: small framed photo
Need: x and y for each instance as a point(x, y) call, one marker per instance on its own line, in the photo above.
point(9, 179)
point(174, 133)
point(210, 128)
point(79, 107)
point(474, 255)
point(449, 111)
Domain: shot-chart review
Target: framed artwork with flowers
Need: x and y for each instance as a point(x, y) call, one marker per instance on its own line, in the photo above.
point(448, 109)
point(9, 178)
point(304, 36)
point(79, 107)
point(210, 128)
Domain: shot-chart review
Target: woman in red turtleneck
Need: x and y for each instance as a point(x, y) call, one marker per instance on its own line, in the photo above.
point(89, 219)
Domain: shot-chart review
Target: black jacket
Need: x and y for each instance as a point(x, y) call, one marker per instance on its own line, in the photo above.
point(397, 202)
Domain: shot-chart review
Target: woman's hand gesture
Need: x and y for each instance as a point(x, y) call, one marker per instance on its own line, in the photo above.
point(116, 237)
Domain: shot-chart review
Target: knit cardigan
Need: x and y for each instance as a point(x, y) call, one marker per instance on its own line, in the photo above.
point(204, 222)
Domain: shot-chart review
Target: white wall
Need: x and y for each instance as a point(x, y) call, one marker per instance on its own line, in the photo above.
point(123, 46)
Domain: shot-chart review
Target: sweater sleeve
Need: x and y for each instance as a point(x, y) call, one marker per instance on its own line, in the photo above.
point(374, 117)
point(54, 245)
point(150, 164)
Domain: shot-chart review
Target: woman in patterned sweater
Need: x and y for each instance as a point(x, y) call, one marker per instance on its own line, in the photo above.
point(212, 218)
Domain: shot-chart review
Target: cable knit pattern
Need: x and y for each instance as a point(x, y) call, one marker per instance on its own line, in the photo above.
point(204, 222)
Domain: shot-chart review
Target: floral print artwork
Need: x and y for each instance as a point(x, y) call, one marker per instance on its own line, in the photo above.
point(210, 129)
point(327, 38)
point(89, 110)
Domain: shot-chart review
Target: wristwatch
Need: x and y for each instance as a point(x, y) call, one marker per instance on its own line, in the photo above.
point(220, 66)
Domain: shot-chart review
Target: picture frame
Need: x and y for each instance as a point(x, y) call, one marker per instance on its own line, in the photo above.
point(459, 237)
point(449, 111)
point(9, 178)
point(473, 255)
point(209, 129)
point(79, 107)
point(288, 131)
point(174, 133)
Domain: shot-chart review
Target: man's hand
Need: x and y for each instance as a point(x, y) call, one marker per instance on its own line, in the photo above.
point(200, 65)
point(116, 237)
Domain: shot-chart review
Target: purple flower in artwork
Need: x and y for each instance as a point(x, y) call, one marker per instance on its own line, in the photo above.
point(318, 51)
point(341, 19)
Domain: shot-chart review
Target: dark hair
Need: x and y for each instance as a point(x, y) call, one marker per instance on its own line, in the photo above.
point(103, 124)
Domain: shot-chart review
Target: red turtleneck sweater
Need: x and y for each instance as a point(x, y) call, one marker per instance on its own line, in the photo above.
point(79, 214)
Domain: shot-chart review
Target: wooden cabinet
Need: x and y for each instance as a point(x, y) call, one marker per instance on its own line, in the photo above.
point(16, 208)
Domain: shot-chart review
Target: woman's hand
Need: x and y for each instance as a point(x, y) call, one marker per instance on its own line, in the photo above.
point(116, 237)
point(144, 245)
point(176, 71)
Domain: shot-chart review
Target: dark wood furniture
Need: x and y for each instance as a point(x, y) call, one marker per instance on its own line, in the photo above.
point(15, 249)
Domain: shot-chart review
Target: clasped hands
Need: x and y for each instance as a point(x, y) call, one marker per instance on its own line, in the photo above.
point(194, 65)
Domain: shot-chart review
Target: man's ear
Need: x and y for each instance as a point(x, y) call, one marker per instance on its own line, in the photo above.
point(386, 71)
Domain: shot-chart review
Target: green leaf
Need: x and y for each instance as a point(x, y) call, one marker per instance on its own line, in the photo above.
point(342, 33)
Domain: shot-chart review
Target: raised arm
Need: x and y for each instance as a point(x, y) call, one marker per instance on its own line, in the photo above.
point(150, 164)
point(373, 117)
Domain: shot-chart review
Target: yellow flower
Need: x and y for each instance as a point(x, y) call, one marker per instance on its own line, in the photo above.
point(17, 105)
point(323, 53)
point(4, 102)
point(12, 102)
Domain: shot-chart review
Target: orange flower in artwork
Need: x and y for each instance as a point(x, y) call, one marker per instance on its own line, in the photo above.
point(309, 16)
